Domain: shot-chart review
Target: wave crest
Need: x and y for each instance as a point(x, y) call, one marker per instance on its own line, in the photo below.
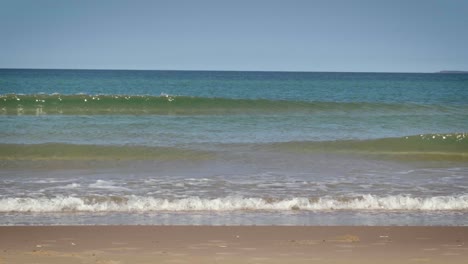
point(150, 204)
point(448, 146)
point(41, 104)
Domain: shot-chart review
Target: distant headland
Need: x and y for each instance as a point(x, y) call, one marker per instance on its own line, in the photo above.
point(463, 72)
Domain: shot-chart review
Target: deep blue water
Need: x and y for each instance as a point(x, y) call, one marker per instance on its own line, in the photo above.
point(421, 88)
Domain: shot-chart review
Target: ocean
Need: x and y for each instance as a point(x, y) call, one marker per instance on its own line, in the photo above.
point(110, 147)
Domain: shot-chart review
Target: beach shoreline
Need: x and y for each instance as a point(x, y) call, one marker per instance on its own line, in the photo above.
point(233, 244)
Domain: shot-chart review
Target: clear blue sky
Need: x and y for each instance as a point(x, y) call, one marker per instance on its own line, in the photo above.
point(328, 35)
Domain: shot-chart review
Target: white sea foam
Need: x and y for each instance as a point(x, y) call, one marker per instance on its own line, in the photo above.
point(68, 186)
point(147, 204)
point(101, 184)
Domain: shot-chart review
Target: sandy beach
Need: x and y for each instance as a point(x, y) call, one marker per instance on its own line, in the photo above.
point(232, 244)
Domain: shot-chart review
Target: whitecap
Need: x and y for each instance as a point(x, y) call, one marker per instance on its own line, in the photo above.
point(133, 203)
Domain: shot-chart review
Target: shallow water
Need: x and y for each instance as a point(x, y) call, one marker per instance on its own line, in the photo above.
point(156, 147)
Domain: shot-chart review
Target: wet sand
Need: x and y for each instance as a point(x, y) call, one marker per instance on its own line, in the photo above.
point(232, 244)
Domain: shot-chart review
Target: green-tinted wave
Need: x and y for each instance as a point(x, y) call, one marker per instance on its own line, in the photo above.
point(13, 104)
point(452, 146)
point(60, 151)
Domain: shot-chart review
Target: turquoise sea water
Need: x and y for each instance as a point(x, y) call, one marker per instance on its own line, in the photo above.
point(204, 147)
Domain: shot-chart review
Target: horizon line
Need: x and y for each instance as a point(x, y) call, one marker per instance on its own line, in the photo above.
point(224, 70)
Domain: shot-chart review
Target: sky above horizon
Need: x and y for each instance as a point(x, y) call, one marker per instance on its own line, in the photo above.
point(328, 35)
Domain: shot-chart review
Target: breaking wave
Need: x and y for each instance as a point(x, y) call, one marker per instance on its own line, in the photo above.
point(142, 204)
